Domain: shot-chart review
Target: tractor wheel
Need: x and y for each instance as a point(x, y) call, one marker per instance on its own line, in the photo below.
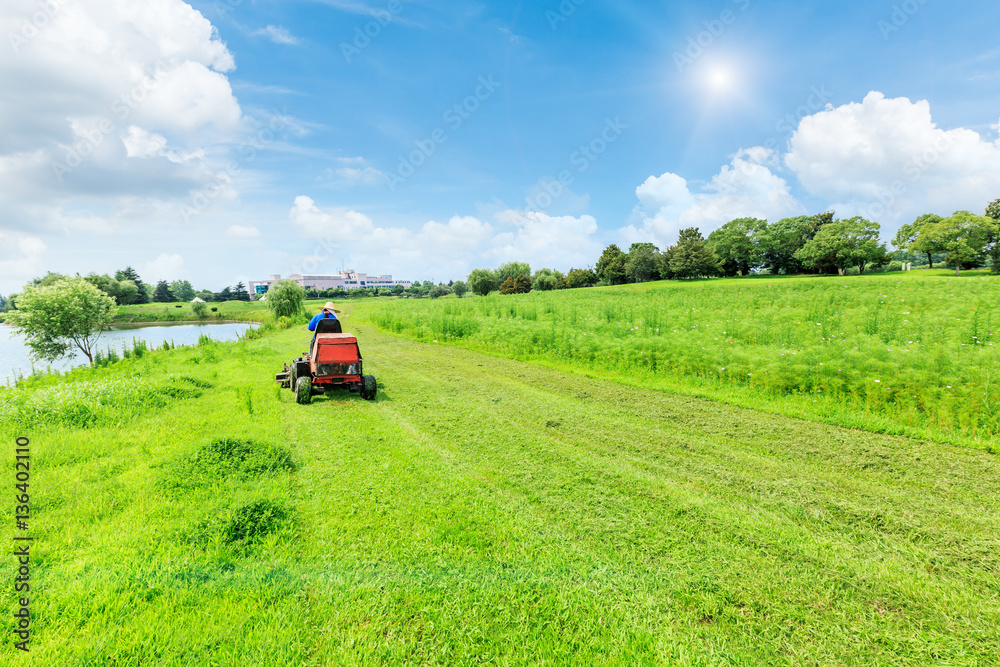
point(303, 391)
point(293, 380)
point(368, 387)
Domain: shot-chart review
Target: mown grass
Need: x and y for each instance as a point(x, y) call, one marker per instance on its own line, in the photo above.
point(486, 511)
point(914, 353)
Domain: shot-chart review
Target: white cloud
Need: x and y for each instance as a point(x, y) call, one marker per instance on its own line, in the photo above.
point(20, 259)
point(143, 143)
point(165, 267)
point(110, 100)
point(242, 232)
point(277, 34)
point(440, 251)
point(744, 188)
point(887, 159)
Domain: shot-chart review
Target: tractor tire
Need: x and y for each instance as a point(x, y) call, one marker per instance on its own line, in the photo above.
point(293, 378)
point(368, 387)
point(303, 391)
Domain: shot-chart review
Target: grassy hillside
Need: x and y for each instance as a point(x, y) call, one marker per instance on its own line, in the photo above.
point(914, 353)
point(482, 510)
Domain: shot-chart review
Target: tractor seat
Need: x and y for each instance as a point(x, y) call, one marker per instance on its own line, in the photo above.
point(328, 325)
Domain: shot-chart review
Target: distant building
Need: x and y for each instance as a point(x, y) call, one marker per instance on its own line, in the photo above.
point(347, 280)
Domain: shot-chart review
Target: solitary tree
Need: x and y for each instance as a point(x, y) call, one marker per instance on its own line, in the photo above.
point(285, 298)
point(459, 288)
point(56, 318)
point(482, 281)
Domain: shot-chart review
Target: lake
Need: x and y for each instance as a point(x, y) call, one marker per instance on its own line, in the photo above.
point(14, 353)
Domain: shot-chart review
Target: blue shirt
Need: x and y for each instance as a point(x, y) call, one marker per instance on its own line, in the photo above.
point(316, 318)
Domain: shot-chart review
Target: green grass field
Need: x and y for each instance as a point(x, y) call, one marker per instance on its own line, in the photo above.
point(914, 353)
point(485, 511)
point(182, 312)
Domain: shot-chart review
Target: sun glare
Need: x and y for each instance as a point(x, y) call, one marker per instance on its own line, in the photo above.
point(719, 79)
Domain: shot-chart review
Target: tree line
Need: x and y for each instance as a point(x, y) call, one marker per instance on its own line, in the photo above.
point(126, 287)
point(818, 244)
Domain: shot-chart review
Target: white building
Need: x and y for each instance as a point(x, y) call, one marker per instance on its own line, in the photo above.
point(347, 280)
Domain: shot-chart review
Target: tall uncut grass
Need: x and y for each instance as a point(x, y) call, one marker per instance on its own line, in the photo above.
point(905, 353)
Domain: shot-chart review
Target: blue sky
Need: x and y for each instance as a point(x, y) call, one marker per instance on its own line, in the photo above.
point(232, 140)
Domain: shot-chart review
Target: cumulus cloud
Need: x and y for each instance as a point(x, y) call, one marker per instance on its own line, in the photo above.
point(108, 100)
point(165, 267)
point(20, 259)
point(440, 249)
point(277, 34)
point(746, 187)
point(888, 160)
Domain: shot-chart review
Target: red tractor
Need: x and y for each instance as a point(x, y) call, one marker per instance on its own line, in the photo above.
point(333, 362)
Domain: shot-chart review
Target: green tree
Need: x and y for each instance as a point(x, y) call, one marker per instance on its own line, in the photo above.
point(611, 266)
point(128, 273)
point(780, 241)
point(964, 236)
point(577, 278)
point(459, 288)
point(439, 291)
point(993, 247)
point(55, 318)
point(482, 281)
point(641, 263)
point(908, 237)
point(50, 278)
point(183, 291)
point(398, 289)
point(285, 298)
point(200, 309)
point(520, 284)
point(512, 270)
point(162, 293)
point(690, 258)
point(240, 292)
point(843, 244)
point(737, 245)
point(545, 280)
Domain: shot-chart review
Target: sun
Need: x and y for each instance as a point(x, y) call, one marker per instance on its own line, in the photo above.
point(719, 79)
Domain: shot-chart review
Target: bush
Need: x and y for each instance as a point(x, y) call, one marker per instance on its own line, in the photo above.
point(200, 310)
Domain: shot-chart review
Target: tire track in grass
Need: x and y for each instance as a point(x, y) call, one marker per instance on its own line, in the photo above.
point(581, 452)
